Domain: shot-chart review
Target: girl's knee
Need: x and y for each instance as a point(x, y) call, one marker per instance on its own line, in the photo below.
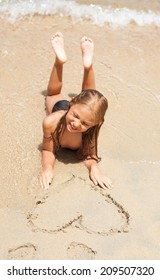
point(54, 89)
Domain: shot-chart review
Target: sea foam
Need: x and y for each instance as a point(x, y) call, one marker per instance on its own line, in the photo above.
point(14, 10)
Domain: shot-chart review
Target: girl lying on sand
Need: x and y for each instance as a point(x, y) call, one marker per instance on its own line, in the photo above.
point(73, 124)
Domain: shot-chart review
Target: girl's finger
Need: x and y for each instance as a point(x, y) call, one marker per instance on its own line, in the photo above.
point(94, 181)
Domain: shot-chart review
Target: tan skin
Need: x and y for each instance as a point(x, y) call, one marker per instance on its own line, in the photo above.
point(78, 119)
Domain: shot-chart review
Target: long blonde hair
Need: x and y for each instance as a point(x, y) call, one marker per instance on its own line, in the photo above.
point(98, 104)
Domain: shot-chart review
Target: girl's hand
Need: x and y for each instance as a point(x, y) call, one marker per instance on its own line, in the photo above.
point(99, 178)
point(46, 178)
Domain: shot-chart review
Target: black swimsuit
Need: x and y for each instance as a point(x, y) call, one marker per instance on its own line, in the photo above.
point(61, 105)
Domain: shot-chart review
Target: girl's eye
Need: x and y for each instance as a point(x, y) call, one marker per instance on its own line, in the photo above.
point(76, 116)
point(85, 124)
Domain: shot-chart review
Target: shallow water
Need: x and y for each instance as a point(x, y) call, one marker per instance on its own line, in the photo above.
point(115, 13)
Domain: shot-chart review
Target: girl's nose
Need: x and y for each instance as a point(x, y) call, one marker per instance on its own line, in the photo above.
point(77, 124)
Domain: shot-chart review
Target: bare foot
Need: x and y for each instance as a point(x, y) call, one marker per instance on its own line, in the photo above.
point(58, 46)
point(87, 48)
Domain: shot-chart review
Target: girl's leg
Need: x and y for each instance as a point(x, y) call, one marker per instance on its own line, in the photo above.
point(55, 81)
point(87, 48)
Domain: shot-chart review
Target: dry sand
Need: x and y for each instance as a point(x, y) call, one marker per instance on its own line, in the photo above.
point(73, 219)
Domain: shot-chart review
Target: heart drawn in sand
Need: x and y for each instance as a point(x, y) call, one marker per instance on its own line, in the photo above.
point(79, 205)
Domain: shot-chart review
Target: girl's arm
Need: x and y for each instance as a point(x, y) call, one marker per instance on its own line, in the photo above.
point(48, 157)
point(96, 175)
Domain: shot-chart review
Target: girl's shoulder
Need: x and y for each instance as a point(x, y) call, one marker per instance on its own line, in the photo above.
point(51, 121)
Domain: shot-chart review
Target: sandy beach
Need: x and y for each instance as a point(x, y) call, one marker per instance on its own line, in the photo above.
point(74, 219)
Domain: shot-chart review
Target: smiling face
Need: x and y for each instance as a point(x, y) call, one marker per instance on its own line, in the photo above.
point(79, 118)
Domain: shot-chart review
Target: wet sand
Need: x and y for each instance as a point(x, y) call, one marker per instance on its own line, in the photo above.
point(74, 219)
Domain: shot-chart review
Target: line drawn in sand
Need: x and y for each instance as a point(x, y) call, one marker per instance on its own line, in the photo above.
point(23, 252)
point(86, 208)
point(80, 251)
